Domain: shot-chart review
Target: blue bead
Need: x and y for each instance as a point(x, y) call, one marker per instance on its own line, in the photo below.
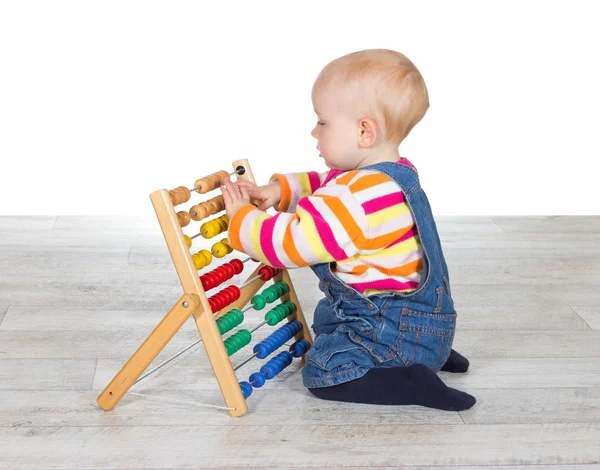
point(276, 365)
point(257, 379)
point(277, 338)
point(246, 389)
point(299, 348)
point(262, 350)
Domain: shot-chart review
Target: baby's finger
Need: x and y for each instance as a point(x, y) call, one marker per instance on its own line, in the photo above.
point(233, 192)
point(247, 184)
point(226, 196)
point(244, 193)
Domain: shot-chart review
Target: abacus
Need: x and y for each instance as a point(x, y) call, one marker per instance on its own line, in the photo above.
point(221, 312)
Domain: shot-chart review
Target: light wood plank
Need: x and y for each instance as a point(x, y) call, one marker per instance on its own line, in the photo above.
point(323, 445)
point(20, 292)
point(560, 273)
point(591, 315)
point(46, 374)
point(530, 344)
point(3, 310)
point(508, 295)
point(526, 373)
point(461, 225)
point(20, 224)
point(529, 406)
point(549, 224)
point(298, 407)
point(17, 260)
point(146, 222)
point(562, 318)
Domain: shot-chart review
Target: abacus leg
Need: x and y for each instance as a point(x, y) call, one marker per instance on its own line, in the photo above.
point(149, 349)
point(298, 314)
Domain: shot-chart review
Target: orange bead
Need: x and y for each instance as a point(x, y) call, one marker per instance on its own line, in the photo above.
point(184, 218)
point(198, 212)
point(185, 192)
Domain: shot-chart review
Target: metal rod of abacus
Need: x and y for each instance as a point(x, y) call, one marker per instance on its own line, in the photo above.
point(198, 234)
point(245, 362)
point(167, 361)
point(257, 327)
point(250, 282)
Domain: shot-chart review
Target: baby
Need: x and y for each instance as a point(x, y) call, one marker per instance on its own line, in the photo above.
point(386, 324)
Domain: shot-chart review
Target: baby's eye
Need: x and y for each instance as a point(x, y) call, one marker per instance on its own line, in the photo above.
point(320, 123)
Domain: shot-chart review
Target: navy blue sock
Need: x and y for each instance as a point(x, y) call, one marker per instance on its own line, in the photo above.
point(414, 385)
point(456, 363)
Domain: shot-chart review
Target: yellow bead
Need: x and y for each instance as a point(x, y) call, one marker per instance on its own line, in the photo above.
point(225, 241)
point(208, 256)
point(188, 240)
point(211, 229)
point(219, 249)
point(199, 261)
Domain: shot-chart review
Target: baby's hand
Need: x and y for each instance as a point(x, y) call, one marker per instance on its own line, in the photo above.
point(269, 194)
point(234, 197)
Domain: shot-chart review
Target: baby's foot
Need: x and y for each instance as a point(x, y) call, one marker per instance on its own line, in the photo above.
point(456, 363)
point(414, 385)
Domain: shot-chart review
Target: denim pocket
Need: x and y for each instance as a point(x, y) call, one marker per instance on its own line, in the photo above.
point(336, 352)
point(425, 338)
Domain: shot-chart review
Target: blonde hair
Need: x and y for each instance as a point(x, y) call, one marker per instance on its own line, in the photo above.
point(390, 85)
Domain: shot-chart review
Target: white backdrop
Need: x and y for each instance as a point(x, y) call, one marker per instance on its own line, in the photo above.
point(103, 102)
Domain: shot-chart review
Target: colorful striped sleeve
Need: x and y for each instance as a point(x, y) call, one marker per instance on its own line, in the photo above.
point(295, 186)
point(328, 226)
point(360, 212)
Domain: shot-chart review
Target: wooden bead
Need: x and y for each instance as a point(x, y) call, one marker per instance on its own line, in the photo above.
point(204, 186)
point(199, 212)
point(185, 193)
point(213, 181)
point(222, 175)
point(184, 218)
point(174, 197)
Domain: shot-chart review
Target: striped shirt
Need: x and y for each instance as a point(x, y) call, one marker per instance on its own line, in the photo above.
point(358, 220)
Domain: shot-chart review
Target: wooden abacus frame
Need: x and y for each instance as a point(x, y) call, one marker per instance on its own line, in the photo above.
point(194, 302)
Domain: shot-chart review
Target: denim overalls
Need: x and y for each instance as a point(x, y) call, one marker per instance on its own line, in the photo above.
point(355, 333)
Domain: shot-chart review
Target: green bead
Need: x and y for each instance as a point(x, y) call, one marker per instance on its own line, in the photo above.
point(290, 306)
point(282, 286)
point(230, 320)
point(276, 314)
point(271, 295)
point(258, 302)
point(237, 341)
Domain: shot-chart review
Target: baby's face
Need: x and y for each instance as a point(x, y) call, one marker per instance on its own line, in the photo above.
point(336, 130)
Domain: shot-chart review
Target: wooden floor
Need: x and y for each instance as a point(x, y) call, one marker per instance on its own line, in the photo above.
point(79, 294)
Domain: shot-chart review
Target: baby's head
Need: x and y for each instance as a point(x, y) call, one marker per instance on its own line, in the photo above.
point(366, 103)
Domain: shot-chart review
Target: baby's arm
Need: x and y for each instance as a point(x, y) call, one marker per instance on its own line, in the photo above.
point(330, 225)
point(295, 186)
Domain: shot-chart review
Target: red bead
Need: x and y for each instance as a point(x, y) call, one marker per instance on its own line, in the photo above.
point(216, 279)
point(229, 270)
point(212, 304)
point(228, 296)
point(237, 265)
point(236, 292)
point(265, 273)
point(222, 301)
point(255, 260)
